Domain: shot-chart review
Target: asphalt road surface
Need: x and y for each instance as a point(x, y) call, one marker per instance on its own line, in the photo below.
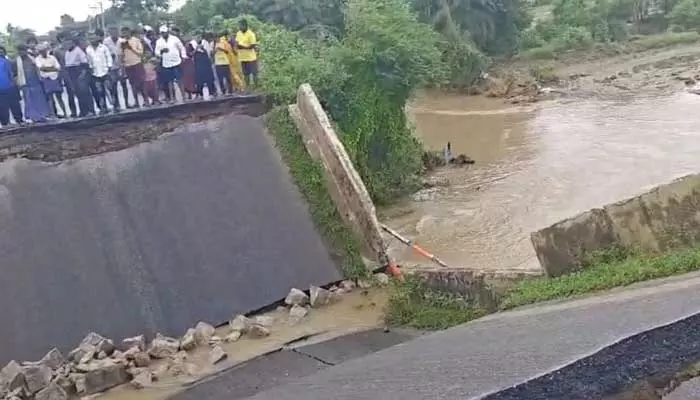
point(496, 352)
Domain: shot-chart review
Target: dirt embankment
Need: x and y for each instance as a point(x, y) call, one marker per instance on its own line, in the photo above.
point(647, 73)
point(80, 138)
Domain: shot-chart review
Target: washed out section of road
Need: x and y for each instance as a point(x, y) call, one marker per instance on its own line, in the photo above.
point(200, 224)
point(501, 350)
point(290, 364)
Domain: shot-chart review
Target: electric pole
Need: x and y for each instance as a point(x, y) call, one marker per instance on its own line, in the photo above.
point(98, 8)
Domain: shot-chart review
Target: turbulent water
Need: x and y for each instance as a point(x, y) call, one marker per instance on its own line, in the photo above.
point(538, 165)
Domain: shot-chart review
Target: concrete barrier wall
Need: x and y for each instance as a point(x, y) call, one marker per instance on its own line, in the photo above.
point(342, 180)
point(663, 218)
point(199, 224)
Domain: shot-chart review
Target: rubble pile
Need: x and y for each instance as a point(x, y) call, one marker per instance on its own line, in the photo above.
point(98, 364)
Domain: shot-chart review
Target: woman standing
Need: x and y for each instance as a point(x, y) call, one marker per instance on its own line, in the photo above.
point(36, 106)
point(203, 68)
point(189, 75)
point(49, 68)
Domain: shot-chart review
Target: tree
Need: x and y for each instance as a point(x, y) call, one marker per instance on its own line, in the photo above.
point(141, 10)
point(67, 20)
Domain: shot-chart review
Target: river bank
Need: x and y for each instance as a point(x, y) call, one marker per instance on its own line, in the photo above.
point(605, 130)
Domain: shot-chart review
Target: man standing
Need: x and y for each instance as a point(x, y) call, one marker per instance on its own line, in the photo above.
point(247, 46)
point(59, 51)
point(9, 95)
point(78, 68)
point(116, 74)
point(171, 51)
point(100, 60)
point(132, 59)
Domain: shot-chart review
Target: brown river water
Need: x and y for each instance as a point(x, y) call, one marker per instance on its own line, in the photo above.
point(536, 165)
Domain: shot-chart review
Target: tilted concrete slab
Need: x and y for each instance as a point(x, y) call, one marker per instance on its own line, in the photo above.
point(199, 224)
point(494, 353)
point(663, 218)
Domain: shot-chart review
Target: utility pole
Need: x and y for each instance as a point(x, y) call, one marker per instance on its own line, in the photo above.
point(98, 8)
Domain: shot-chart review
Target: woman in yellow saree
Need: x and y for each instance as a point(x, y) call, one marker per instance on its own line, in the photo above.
point(224, 51)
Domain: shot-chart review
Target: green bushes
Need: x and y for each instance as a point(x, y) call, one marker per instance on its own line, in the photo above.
point(686, 15)
point(364, 81)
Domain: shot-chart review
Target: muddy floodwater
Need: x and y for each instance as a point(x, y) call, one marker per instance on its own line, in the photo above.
point(538, 164)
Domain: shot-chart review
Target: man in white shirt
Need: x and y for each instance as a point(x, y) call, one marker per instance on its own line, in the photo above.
point(171, 52)
point(100, 60)
point(116, 74)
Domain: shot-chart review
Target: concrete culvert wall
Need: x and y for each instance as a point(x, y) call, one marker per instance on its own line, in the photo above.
point(199, 224)
point(661, 219)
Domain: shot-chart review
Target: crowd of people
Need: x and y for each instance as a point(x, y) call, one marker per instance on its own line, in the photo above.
point(89, 73)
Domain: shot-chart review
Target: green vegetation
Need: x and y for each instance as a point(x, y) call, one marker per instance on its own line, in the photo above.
point(308, 176)
point(414, 305)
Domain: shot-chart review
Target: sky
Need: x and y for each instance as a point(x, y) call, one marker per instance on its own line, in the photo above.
point(44, 15)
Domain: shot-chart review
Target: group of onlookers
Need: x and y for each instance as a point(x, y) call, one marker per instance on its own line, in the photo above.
point(90, 73)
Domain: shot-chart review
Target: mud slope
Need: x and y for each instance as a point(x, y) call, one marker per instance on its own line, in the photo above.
point(197, 225)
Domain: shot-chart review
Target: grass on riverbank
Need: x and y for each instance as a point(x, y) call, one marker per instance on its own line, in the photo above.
point(308, 177)
point(414, 305)
point(632, 45)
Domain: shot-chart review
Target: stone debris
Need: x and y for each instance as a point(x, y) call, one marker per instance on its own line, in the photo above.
point(347, 285)
point(36, 377)
point(96, 364)
point(217, 355)
point(105, 374)
point(163, 346)
point(188, 341)
point(138, 341)
point(364, 284)
point(240, 323)
point(264, 320)
point(203, 332)
point(320, 296)
point(257, 332)
point(53, 391)
point(99, 343)
point(296, 297)
point(53, 359)
point(381, 278)
point(233, 337)
point(297, 313)
point(11, 377)
point(142, 379)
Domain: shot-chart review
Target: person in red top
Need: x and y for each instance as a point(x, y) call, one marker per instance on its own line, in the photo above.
point(189, 74)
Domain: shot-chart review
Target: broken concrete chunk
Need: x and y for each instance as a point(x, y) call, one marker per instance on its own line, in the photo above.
point(297, 313)
point(217, 355)
point(264, 320)
point(214, 340)
point(142, 379)
point(101, 355)
point(36, 377)
point(320, 296)
point(89, 355)
point(347, 285)
point(296, 297)
point(108, 375)
point(160, 371)
point(138, 341)
point(99, 342)
point(141, 359)
point(163, 346)
point(53, 391)
point(233, 337)
point(240, 323)
point(381, 278)
point(53, 359)
point(203, 332)
point(11, 377)
point(78, 382)
point(66, 384)
point(80, 352)
point(258, 331)
point(188, 341)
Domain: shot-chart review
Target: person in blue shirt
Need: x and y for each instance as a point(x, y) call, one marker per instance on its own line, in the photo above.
point(9, 94)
